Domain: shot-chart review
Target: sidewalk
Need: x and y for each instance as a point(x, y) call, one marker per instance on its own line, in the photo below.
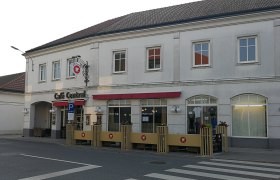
point(244, 154)
point(250, 154)
point(34, 139)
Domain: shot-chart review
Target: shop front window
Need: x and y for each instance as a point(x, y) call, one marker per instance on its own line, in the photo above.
point(119, 113)
point(249, 116)
point(201, 110)
point(154, 113)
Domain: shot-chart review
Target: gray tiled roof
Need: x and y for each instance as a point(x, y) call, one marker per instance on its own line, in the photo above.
point(183, 13)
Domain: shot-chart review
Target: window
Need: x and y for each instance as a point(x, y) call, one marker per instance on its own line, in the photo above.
point(249, 116)
point(56, 70)
point(119, 61)
point(70, 66)
point(154, 113)
point(153, 58)
point(42, 72)
point(201, 109)
point(119, 113)
point(247, 49)
point(201, 54)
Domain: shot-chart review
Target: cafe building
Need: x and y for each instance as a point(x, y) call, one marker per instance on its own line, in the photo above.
point(185, 69)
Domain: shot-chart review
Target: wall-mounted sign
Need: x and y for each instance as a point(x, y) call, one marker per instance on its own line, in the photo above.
point(70, 111)
point(69, 95)
point(76, 69)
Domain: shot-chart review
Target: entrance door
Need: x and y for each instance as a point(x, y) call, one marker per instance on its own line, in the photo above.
point(63, 120)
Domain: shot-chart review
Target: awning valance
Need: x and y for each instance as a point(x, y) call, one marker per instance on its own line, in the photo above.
point(77, 102)
point(137, 96)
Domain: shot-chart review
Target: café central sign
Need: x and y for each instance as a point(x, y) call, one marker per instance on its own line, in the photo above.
point(69, 95)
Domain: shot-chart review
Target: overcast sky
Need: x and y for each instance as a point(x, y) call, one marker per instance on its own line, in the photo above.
point(27, 24)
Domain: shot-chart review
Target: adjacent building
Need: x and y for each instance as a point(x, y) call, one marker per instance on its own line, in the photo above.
point(187, 65)
point(12, 103)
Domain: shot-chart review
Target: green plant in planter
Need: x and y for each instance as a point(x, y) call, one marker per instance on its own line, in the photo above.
point(223, 123)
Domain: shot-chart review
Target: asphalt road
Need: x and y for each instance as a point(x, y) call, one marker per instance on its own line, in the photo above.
point(28, 160)
point(24, 159)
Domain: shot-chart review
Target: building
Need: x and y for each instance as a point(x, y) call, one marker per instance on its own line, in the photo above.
point(12, 103)
point(198, 63)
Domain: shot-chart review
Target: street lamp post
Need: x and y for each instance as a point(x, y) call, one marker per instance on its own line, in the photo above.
point(23, 55)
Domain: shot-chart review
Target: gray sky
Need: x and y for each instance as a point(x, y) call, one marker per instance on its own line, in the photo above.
point(27, 24)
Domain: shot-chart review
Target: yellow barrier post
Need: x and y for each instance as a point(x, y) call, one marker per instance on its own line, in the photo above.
point(162, 146)
point(206, 148)
point(96, 131)
point(70, 134)
point(126, 137)
point(223, 130)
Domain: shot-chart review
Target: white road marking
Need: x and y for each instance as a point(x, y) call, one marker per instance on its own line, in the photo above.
point(166, 177)
point(240, 166)
point(203, 174)
point(130, 179)
point(247, 162)
point(61, 173)
point(39, 157)
point(234, 171)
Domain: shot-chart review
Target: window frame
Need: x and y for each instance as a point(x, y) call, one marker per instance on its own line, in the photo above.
point(236, 101)
point(160, 58)
point(54, 70)
point(68, 75)
point(114, 61)
point(152, 104)
point(120, 104)
point(209, 53)
point(43, 77)
point(247, 46)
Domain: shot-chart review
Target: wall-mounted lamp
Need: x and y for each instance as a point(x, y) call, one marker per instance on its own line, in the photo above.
point(98, 109)
point(175, 108)
point(25, 111)
point(24, 54)
point(53, 110)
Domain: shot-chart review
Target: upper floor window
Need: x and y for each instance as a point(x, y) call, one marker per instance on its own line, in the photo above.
point(56, 70)
point(247, 49)
point(70, 67)
point(201, 54)
point(153, 58)
point(42, 72)
point(119, 61)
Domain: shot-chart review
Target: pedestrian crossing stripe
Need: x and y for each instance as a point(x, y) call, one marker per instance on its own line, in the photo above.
point(234, 171)
point(204, 174)
point(166, 177)
point(243, 168)
point(240, 166)
point(247, 162)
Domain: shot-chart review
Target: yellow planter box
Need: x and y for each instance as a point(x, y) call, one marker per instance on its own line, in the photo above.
point(111, 136)
point(144, 138)
point(191, 140)
point(83, 135)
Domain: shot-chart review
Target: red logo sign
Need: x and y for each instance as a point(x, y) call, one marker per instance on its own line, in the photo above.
point(83, 134)
point(183, 139)
point(76, 69)
point(111, 136)
point(143, 137)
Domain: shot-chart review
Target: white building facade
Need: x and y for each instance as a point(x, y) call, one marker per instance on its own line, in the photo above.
point(185, 75)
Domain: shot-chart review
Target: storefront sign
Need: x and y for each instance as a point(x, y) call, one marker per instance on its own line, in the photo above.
point(69, 95)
